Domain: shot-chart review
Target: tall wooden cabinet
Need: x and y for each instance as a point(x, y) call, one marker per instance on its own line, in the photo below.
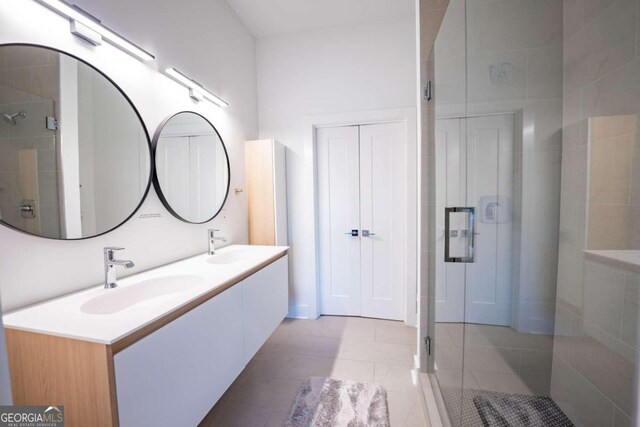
point(266, 192)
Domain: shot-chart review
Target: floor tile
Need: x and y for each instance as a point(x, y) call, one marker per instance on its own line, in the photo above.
point(351, 348)
point(405, 410)
point(394, 377)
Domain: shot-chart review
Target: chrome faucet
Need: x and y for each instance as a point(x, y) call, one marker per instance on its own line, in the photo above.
point(110, 264)
point(212, 240)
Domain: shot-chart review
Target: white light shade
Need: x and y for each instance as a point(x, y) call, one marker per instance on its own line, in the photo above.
point(195, 86)
point(85, 33)
point(196, 94)
point(115, 39)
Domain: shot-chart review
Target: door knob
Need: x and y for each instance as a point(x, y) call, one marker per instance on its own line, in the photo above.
point(353, 233)
point(367, 233)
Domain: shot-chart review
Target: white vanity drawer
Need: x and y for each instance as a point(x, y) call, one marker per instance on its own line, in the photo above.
point(174, 376)
point(265, 300)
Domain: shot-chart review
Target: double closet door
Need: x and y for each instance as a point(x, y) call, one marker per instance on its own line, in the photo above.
point(362, 199)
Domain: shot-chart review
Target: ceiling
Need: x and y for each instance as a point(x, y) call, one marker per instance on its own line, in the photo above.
point(271, 17)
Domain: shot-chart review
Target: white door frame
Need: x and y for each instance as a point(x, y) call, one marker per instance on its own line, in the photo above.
point(409, 118)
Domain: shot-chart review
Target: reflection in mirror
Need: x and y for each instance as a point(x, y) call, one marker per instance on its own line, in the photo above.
point(74, 155)
point(192, 168)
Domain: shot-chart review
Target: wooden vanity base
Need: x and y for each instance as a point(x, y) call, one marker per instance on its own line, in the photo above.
point(49, 370)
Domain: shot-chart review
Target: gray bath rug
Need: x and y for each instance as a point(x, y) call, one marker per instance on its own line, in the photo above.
point(517, 410)
point(325, 402)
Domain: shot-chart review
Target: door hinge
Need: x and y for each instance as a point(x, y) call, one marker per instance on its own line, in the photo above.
point(427, 345)
point(51, 123)
point(426, 91)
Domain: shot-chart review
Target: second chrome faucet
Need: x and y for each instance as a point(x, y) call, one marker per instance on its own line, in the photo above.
point(110, 264)
point(212, 240)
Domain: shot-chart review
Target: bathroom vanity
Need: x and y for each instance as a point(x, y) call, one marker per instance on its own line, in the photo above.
point(160, 349)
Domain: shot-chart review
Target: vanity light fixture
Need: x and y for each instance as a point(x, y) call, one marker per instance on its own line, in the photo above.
point(91, 30)
point(196, 90)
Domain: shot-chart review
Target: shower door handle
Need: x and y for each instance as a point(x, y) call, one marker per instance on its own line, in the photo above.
point(470, 235)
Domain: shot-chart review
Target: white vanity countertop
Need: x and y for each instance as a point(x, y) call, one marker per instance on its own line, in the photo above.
point(101, 315)
point(622, 259)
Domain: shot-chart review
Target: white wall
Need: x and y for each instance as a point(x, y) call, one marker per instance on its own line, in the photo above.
point(319, 72)
point(203, 38)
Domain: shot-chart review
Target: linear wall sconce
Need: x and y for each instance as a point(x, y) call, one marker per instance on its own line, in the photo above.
point(196, 90)
point(91, 30)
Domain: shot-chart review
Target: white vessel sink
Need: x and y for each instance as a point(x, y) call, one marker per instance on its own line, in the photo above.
point(144, 292)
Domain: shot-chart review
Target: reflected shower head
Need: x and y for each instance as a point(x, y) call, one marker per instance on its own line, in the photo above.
point(11, 118)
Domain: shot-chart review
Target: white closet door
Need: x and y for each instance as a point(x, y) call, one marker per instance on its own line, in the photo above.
point(490, 154)
point(173, 172)
point(339, 213)
point(382, 213)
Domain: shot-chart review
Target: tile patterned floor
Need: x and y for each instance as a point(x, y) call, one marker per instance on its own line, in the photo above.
point(353, 348)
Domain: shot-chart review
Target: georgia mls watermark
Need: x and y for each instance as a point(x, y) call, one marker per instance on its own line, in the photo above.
point(31, 416)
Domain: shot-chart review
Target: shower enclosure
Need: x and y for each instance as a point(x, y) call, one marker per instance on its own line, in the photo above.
point(530, 248)
point(28, 150)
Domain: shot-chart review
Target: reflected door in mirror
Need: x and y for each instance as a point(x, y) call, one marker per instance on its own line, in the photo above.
point(192, 172)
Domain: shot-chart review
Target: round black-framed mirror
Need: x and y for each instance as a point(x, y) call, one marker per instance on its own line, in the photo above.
point(75, 154)
point(192, 173)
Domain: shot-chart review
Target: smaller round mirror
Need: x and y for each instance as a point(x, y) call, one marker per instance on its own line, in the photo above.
point(192, 167)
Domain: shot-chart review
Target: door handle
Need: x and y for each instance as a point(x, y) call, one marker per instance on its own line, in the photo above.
point(367, 233)
point(469, 234)
point(353, 233)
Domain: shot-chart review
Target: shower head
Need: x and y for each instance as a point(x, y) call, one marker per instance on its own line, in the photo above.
point(11, 118)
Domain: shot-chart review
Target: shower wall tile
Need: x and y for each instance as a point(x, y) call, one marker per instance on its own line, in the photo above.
point(604, 290)
point(572, 125)
point(621, 419)
point(542, 170)
point(566, 329)
point(615, 94)
point(609, 372)
point(451, 41)
point(602, 46)
point(433, 4)
point(609, 227)
point(605, 128)
point(508, 25)
point(570, 280)
point(45, 81)
point(544, 72)
point(591, 9)
point(450, 86)
point(539, 282)
point(574, 171)
point(10, 94)
point(572, 17)
point(579, 399)
point(17, 57)
point(19, 80)
point(430, 24)
point(635, 172)
point(543, 118)
point(629, 328)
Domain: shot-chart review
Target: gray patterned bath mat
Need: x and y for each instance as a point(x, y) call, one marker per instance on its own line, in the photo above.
point(325, 402)
point(517, 410)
